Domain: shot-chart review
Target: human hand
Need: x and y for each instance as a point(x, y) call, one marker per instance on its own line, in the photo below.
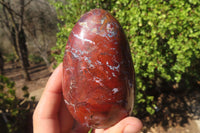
point(52, 116)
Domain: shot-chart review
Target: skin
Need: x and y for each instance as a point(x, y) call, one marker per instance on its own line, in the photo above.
point(52, 116)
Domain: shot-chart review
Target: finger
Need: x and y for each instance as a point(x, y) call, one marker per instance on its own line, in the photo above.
point(127, 125)
point(66, 122)
point(49, 103)
point(45, 118)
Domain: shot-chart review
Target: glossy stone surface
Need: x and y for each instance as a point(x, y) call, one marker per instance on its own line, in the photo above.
point(98, 73)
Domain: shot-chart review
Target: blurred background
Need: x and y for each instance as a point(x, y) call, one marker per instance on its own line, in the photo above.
point(164, 36)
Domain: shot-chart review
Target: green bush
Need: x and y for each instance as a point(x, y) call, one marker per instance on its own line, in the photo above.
point(164, 36)
point(14, 112)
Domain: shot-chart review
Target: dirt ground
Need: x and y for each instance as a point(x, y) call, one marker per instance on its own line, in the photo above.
point(39, 76)
point(175, 113)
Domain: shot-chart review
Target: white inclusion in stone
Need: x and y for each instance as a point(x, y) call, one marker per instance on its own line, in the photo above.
point(99, 62)
point(79, 51)
point(69, 68)
point(85, 118)
point(98, 80)
point(115, 90)
point(102, 20)
point(114, 74)
point(70, 87)
point(88, 60)
point(74, 53)
point(110, 29)
point(70, 104)
point(66, 102)
point(113, 67)
point(72, 84)
point(84, 39)
point(83, 68)
point(84, 24)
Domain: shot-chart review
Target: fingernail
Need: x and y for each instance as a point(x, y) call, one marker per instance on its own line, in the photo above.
point(129, 129)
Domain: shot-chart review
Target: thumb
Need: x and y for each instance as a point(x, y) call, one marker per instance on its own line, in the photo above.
point(127, 125)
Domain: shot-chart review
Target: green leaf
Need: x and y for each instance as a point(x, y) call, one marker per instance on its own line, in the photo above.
point(90, 131)
point(25, 88)
point(150, 110)
point(12, 92)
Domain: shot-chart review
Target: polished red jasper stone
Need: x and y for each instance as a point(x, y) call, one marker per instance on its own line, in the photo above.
point(98, 73)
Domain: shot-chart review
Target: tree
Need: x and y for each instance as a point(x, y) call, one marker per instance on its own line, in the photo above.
point(1, 63)
point(13, 19)
point(40, 26)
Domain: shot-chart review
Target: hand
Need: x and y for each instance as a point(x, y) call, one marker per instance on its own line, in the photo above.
point(52, 116)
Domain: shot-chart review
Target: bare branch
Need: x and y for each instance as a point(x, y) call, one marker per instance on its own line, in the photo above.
point(4, 4)
point(28, 3)
point(6, 16)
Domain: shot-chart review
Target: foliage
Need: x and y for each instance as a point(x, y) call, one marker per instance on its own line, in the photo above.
point(164, 36)
point(35, 58)
point(13, 111)
point(10, 57)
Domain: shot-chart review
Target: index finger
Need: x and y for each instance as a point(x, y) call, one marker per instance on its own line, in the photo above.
point(49, 103)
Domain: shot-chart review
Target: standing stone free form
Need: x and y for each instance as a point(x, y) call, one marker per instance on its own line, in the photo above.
point(98, 73)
